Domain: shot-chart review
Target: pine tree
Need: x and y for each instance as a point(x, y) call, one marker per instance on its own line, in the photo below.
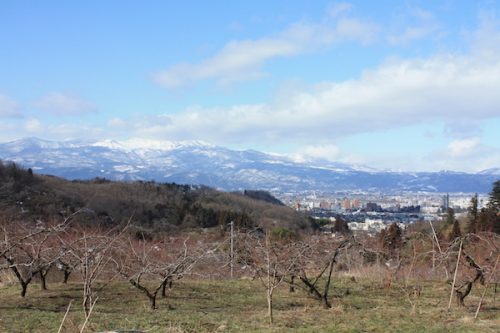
point(455, 231)
point(495, 196)
point(450, 216)
point(473, 215)
point(341, 225)
point(490, 216)
point(392, 239)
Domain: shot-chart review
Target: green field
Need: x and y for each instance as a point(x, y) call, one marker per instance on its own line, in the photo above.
point(240, 306)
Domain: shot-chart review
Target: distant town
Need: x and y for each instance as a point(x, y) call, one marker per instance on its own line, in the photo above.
point(372, 212)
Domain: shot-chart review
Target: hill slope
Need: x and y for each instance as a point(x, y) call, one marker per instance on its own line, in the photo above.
point(153, 206)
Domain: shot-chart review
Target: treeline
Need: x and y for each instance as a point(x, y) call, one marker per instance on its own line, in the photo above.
point(478, 220)
point(486, 218)
point(154, 206)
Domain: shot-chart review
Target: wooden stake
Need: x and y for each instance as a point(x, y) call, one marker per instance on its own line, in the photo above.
point(64, 318)
point(88, 316)
point(435, 237)
point(484, 291)
point(455, 275)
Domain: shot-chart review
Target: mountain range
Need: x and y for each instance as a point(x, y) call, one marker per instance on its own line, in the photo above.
point(195, 162)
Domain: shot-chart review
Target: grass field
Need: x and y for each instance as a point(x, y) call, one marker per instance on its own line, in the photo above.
point(240, 306)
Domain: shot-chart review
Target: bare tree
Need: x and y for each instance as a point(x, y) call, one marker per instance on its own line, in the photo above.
point(475, 258)
point(272, 261)
point(94, 251)
point(29, 249)
point(67, 265)
point(143, 263)
point(319, 262)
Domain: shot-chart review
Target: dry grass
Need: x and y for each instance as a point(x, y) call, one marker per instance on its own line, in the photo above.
point(239, 306)
point(7, 278)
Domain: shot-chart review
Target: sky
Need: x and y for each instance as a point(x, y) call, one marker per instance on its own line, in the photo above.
point(401, 85)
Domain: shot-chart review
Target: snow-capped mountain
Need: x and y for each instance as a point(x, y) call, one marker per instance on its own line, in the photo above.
point(491, 171)
point(195, 162)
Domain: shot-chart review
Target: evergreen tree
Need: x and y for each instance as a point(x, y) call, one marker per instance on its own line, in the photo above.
point(490, 216)
point(473, 215)
point(489, 220)
point(341, 225)
point(455, 231)
point(450, 216)
point(495, 196)
point(392, 239)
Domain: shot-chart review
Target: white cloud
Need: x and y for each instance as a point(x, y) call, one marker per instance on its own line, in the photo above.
point(243, 60)
point(468, 155)
point(8, 131)
point(460, 90)
point(425, 25)
point(63, 131)
point(463, 128)
point(352, 29)
point(34, 126)
point(486, 40)
point(238, 60)
point(117, 123)
point(463, 147)
point(328, 152)
point(463, 154)
point(398, 93)
point(64, 103)
point(8, 107)
point(410, 34)
point(422, 14)
point(451, 88)
point(338, 8)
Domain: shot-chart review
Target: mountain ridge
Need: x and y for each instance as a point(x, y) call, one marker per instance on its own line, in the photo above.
point(197, 162)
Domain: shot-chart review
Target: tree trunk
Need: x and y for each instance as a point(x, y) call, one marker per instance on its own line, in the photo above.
point(167, 282)
point(163, 287)
point(495, 294)
point(43, 282)
point(43, 278)
point(86, 305)
point(24, 288)
point(152, 301)
point(87, 297)
point(270, 306)
point(24, 283)
point(315, 292)
point(292, 284)
point(462, 295)
point(326, 303)
point(67, 273)
point(151, 295)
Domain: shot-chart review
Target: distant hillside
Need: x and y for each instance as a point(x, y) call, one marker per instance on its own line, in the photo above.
point(263, 196)
point(194, 162)
point(154, 206)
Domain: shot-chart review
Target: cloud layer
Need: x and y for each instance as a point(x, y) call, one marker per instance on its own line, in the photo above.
point(242, 60)
point(456, 89)
point(398, 93)
point(64, 103)
point(8, 107)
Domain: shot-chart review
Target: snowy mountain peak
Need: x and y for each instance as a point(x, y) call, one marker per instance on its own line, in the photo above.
point(145, 144)
point(196, 162)
point(36, 143)
point(492, 171)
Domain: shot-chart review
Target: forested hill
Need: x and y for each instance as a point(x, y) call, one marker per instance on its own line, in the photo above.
point(154, 206)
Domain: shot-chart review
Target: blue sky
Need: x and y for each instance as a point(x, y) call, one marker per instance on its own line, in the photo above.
point(405, 85)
